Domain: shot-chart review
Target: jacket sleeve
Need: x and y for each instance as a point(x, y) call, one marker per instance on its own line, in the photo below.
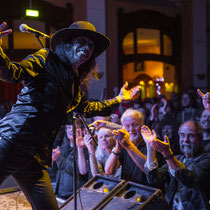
point(94, 108)
point(158, 177)
point(198, 174)
point(23, 70)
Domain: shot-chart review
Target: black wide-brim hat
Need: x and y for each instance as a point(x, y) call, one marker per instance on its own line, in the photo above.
point(81, 28)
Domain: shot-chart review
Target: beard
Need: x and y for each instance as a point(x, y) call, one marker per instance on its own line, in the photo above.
point(189, 150)
point(136, 138)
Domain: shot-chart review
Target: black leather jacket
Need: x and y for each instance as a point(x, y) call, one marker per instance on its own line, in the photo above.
point(190, 184)
point(50, 89)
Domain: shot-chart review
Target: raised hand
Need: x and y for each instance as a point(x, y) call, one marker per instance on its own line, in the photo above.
point(163, 147)
point(165, 103)
point(126, 95)
point(123, 138)
point(148, 135)
point(79, 138)
point(98, 124)
point(55, 153)
point(89, 143)
point(205, 99)
point(4, 33)
point(153, 113)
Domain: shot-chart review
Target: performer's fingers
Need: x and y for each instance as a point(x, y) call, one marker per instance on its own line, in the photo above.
point(200, 93)
point(125, 85)
point(4, 33)
point(166, 140)
point(2, 26)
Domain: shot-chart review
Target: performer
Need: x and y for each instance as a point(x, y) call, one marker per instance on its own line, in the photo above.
point(52, 81)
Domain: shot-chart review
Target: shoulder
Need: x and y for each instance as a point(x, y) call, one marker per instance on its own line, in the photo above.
point(38, 57)
point(42, 54)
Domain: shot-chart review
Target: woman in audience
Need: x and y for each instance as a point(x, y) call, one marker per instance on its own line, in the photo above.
point(62, 158)
point(98, 156)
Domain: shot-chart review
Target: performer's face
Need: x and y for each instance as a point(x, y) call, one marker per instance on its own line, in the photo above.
point(82, 49)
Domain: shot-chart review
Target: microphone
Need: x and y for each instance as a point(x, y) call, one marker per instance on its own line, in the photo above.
point(24, 28)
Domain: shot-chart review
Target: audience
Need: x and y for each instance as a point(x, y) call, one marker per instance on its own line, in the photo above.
point(154, 159)
point(184, 178)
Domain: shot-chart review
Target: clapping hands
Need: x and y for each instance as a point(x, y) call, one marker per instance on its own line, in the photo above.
point(150, 139)
point(148, 135)
point(205, 99)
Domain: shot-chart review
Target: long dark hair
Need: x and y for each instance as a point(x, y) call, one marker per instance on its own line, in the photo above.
point(89, 72)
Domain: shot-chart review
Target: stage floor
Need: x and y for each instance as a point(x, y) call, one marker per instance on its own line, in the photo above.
point(14, 200)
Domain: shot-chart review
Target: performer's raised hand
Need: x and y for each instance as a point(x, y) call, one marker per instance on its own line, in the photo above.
point(4, 33)
point(126, 95)
point(206, 99)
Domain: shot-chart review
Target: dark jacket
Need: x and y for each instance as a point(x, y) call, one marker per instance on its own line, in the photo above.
point(191, 184)
point(50, 89)
point(65, 169)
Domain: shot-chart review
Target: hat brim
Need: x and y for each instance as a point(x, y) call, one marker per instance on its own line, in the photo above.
point(66, 35)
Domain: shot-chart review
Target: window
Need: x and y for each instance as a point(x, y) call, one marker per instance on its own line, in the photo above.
point(148, 41)
point(160, 75)
point(128, 44)
point(167, 45)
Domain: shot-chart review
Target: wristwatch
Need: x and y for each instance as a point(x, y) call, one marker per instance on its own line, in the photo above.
point(113, 151)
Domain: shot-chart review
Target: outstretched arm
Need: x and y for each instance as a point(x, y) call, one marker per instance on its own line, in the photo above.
point(105, 107)
point(89, 143)
point(206, 99)
point(148, 137)
point(82, 163)
point(23, 70)
point(126, 94)
point(102, 123)
point(4, 33)
point(113, 162)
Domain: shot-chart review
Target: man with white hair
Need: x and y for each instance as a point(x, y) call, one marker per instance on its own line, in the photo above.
point(130, 148)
